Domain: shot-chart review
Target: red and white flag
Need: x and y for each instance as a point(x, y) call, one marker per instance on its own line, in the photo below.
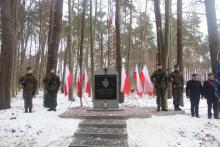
point(138, 82)
point(145, 78)
point(79, 80)
point(87, 83)
point(68, 79)
point(125, 83)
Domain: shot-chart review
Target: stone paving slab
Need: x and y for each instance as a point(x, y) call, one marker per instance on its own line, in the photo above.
point(98, 142)
point(129, 112)
point(112, 133)
point(103, 123)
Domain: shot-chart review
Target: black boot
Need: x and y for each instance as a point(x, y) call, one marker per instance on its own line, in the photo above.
point(158, 109)
point(164, 109)
point(30, 110)
point(50, 109)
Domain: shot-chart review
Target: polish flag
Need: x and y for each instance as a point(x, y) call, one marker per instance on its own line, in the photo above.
point(79, 79)
point(145, 78)
point(68, 79)
point(138, 81)
point(125, 83)
point(87, 83)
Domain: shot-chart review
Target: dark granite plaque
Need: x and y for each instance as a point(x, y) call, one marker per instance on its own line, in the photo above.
point(105, 87)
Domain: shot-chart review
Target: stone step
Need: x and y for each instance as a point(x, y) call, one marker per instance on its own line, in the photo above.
point(110, 133)
point(104, 123)
point(98, 142)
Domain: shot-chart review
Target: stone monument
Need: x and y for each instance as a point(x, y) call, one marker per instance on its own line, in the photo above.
point(106, 94)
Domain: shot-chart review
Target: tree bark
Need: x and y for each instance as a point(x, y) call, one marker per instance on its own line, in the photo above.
point(54, 44)
point(6, 55)
point(118, 46)
point(179, 35)
point(81, 45)
point(160, 45)
point(213, 34)
point(69, 45)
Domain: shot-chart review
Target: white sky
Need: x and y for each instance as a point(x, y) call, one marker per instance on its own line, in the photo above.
point(188, 6)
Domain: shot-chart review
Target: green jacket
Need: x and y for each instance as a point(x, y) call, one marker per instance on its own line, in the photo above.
point(29, 82)
point(176, 78)
point(160, 78)
point(51, 82)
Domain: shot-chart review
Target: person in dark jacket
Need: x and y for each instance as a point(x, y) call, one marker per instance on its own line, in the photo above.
point(160, 80)
point(209, 94)
point(176, 78)
point(52, 84)
point(29, 83)
point(194, 91)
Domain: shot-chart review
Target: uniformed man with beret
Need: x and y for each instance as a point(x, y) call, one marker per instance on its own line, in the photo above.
point(160, 80)
point(176, 78)
point(29, 83)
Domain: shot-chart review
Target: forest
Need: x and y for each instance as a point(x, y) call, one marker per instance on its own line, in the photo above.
point(95, 34)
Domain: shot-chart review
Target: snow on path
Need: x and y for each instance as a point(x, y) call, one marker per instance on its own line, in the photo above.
point(174, 130)
point(40, 128)
point(45, 129)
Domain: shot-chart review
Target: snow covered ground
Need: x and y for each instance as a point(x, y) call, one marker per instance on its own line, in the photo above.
point(45, 129)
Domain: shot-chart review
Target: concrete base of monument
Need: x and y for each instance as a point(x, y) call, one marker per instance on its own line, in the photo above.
point(128, 112)
point(105, 109)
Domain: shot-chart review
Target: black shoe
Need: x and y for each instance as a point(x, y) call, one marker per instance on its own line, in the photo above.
point(50, 109)
point(197, 116)
point(26, 111)
point(54, 109)
point(193, 115)
point(30, 111)
point(216, 118)
point(179, 109)
point(164, 109)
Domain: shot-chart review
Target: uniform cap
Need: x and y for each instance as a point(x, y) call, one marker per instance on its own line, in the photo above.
point(28, 68)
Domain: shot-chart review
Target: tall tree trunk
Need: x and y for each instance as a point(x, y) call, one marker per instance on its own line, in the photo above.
point(54, 44)
point(69, 45)
point(118, 46)
point(166, 34)
point(129, 39)
point(143, 37)
point(6, 55)
point(179, 41)
point(14, 10)
point(179, 35)
point(81, 45)
point(213, 34)
point(160, 45)
point(92, 39)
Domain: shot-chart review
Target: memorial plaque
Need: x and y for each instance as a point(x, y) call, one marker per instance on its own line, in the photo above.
point(105, 94)
point(105, 87)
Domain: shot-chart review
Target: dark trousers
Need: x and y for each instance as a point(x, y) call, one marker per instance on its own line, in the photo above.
point(194, 101)
point(177, 94)
point(212, 103)
point(161, 99)
point(28, 96)
point(52, 98)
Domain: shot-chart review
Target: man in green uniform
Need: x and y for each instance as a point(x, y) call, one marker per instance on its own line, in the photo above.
point(176, 78)
point(29, 83)
point(159, 78)
point(52, 84)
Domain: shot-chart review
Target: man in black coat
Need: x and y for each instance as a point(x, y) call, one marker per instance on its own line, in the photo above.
point(209, 94)
point(194, 91)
